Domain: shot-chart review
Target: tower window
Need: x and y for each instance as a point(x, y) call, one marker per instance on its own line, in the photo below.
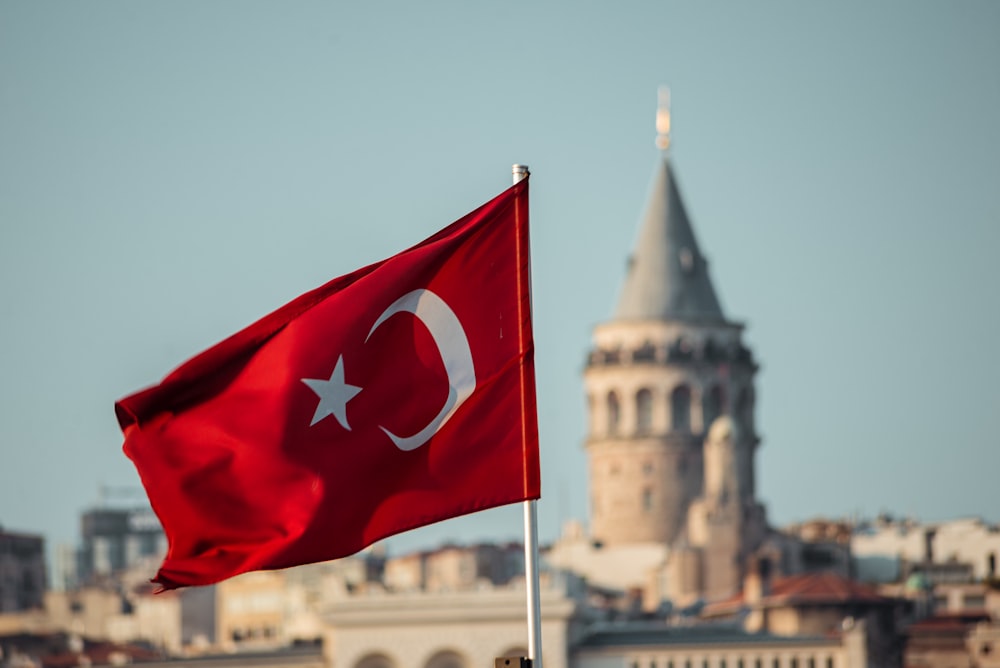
point(647, 499)
point(644, 411)
point(614, 413)
point(687, 260)
point(680, 408)
point(711, 405)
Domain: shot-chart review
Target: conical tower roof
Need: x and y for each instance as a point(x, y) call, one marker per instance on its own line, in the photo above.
point(667, 275)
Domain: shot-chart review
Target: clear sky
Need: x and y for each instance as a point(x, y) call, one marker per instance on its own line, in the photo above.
point(171, 171)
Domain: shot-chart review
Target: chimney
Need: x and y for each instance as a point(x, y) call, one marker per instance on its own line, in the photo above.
point(757, 583)
point(756, 587)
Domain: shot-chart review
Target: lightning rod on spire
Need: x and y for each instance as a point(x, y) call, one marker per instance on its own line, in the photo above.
point(663, 118)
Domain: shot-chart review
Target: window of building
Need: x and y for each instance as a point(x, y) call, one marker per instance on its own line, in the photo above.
point(446, 659)
point(711, 405)
point(645, 353)
point(680, 408)
point(975, 601)
point(375, 661)
point(644, 411)
point(647, 499)
point(614, 413)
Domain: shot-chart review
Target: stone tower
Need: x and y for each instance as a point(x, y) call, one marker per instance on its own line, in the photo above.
point(660, 372)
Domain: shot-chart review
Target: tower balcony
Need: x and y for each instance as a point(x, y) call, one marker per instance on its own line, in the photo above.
point(679, 352)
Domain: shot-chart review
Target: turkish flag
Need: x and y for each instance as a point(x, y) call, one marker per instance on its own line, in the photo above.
point(390, 398)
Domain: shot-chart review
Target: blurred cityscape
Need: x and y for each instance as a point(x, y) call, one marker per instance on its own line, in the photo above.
point(678, 566)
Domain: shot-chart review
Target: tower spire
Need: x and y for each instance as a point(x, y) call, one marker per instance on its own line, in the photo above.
point(663, 118)
point(667, 276)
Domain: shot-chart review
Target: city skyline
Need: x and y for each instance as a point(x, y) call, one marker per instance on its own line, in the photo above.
point(171, 172)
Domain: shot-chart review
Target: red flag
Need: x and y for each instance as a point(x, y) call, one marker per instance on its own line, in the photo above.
point(393, 397)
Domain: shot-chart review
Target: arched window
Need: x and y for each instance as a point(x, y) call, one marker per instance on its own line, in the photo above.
point(644, 411)
point(711, 405)
point(680, 408)
point(614, 413)
point(375, 661)
point(446, 659)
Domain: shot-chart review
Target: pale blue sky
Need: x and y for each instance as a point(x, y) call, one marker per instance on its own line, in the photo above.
point(170, 171)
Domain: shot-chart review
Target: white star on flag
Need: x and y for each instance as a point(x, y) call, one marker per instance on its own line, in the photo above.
point(333, 395)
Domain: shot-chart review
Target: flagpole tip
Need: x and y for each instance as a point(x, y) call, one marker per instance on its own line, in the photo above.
point(520, 172)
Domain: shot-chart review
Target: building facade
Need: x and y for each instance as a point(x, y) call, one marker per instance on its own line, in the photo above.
point(115, 539)
point(22, 571)
point(464, 629)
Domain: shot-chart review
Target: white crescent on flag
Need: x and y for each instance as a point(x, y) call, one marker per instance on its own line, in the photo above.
point(449, 337)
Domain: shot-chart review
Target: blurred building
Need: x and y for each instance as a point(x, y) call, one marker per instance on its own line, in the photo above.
point(823, 604)
point(116, 539)
point(22, 571)
point(671, 438)
point(890, 549)
point(651, 645)
point(455, 567)
point(266, 610)
point(452, 629)
point(947, 570)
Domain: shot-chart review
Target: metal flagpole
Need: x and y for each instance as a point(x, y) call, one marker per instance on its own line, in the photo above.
point(531, 546)
point(531, 580)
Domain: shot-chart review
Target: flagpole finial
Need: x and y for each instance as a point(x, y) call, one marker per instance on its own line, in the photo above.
point(663, 118)
point(520, 172)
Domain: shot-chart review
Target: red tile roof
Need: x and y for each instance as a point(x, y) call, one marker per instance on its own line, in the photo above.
point(822, 588)
point(807, 589)
point(948, 621)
